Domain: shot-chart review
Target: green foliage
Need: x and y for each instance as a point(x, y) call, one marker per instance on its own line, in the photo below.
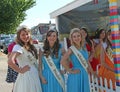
point(12, 13)
point(63, 35)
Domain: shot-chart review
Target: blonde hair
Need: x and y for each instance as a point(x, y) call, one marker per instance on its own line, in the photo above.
point(74, 30)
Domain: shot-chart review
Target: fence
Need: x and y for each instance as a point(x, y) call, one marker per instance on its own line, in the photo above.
point(96, 84)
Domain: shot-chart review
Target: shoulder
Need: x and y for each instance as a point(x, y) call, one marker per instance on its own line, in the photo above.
point(17, 48)
point(10, 46)
point(70, 49)
point(96, 40)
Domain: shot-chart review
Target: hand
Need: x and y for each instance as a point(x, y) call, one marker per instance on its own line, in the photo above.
point(62, 71)
point(63, 51)
point(75, 71)
point(43, 80)
point(24, 69)
point(90, 59)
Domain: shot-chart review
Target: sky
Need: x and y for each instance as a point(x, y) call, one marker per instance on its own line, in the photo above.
point(40, 12)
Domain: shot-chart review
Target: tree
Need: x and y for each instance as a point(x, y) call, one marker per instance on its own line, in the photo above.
point(12, 13)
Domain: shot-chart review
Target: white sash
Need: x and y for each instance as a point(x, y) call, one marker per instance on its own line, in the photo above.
point(80, 57)
point(55, 71)
point(109, 54)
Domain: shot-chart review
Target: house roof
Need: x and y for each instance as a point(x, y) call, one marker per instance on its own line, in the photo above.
point(83, 13)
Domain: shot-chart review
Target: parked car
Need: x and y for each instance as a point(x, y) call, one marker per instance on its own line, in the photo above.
point(2, 40)
point(7, 41)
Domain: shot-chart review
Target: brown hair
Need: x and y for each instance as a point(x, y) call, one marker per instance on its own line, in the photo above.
point(30, 47)
point(46, 46)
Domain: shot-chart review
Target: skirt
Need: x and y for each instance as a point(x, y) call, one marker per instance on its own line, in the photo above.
point(11, 75)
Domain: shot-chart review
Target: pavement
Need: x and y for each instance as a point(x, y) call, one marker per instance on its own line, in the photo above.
point(4, 86)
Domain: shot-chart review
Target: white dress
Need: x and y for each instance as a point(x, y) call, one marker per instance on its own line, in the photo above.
point(29, 81)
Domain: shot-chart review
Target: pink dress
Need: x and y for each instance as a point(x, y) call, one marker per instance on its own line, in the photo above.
point(10, 47)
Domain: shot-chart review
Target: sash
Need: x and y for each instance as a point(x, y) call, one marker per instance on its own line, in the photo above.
point(30, 57)
point(80, 57)
point(109, 54)
point(55, 72)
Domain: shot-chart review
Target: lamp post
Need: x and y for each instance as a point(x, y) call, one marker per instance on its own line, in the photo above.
point(115, 39)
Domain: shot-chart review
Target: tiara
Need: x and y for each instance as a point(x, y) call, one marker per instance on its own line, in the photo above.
point(22, 27)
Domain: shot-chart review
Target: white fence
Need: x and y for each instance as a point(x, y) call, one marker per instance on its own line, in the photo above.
point(96, 85)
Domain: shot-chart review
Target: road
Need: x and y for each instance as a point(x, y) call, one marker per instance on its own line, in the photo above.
point(4, 86)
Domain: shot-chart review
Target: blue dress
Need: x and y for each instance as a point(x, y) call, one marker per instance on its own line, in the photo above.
point(78, 82)
point(52, 83)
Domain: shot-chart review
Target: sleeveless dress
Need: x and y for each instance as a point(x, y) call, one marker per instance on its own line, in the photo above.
point(28, 81)
point(78, 82)
point(52, 83)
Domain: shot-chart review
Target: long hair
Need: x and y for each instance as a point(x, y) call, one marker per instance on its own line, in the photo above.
point(87, 38)
point(46, 46)
point(74, 30)
point(98, 34)
point(30, 47)
point(109, 44)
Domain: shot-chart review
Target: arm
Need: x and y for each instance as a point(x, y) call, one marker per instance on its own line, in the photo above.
point(12, 64)
point(40, 67)
point(92, 51)
point(40, 63)
point(8, 54)
point(64, 60)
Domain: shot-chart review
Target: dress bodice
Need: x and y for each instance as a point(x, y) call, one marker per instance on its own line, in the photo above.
point(56, 60)
point(75, 61)
point(88, 47)
point(25, 58)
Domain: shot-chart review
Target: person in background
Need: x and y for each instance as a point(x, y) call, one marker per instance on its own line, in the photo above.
point(90, 48)
point(68, 45)
point(106, 68)
point(26, 55)
point(11, 74)
point(77, 76)
point(49, 58)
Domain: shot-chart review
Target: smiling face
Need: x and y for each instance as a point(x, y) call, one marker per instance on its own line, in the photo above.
point(109, 35)
point(76, 38)
point(25, 36)
point(102, 34)
point(51, 37)
point(84, 34)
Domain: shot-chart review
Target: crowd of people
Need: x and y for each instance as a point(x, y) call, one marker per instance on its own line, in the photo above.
point(42, 72)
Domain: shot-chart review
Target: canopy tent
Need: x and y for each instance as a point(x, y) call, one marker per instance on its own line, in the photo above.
point(83, 13)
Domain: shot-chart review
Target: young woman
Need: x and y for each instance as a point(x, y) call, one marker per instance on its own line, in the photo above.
point(26, 55)
point(106, 69)
point(77, 76)
point(11, 74)
point(49, 59)
point(90, 48)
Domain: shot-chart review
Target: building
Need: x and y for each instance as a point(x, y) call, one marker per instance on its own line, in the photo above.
point(40, 30)
point(87, 13)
